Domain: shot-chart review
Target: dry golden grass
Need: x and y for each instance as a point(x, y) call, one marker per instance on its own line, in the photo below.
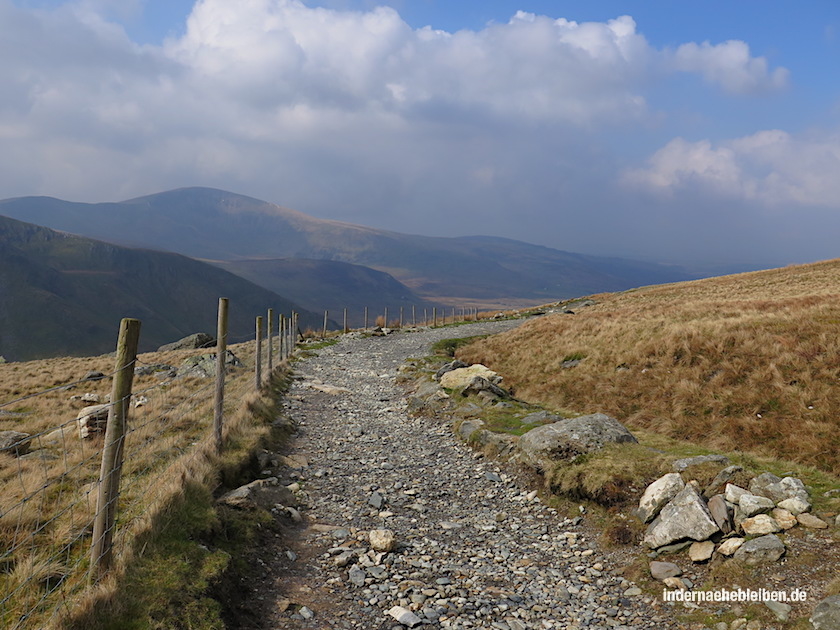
point(48, 498)
point(749, 362)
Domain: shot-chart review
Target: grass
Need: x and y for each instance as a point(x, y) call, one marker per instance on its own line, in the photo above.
point(48, 499)
point(740, 363)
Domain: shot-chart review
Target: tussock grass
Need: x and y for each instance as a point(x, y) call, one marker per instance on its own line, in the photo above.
point(48, 499)
point(749, 362)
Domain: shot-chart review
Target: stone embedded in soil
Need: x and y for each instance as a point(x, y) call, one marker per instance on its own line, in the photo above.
point(762, 550)
point(811, 521)
point(701, 551)
point(662, 570)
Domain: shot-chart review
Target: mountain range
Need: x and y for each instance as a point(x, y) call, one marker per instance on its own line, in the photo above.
point(244, 235)
point(62, 294)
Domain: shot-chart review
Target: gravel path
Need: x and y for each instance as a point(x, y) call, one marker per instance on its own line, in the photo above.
point(474, 550)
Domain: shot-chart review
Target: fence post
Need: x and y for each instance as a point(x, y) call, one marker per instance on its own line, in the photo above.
point(112, 453)
point(401, 317)
point(414, 315)
point(221, 358)
point(269, 336)
point(345, 329)
point(258, 353)
point(324, 333)
point(366, 317)
point(282, 331)
point(434, 316)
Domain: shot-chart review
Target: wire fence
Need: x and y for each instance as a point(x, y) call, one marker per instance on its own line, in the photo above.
point(51, 472)
point(54, 486)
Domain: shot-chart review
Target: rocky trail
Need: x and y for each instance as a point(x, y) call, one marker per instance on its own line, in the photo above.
point(472, 547)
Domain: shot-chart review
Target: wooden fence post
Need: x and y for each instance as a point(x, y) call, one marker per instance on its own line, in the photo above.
point(366, 318)
point(344, 328)
point(414, 315)
point(434, 316)
point(324, 333)
point(401, 317)
point(221, 357)
point(258, 353)
point(269, 337)
point(112, 453)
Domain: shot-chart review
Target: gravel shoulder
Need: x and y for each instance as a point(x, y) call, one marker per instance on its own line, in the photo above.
point(475, 549)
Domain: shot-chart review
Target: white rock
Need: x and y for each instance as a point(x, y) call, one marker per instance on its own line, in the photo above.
point(732, 493)
point(382, 540)
point(795, 505)
point(405, 616)
point(730, 546)
point(811, 521)
point(783, 517)
point(760, 525)
point(462, 377)
point(701, 551)
point(658, 494)
point(751, 504)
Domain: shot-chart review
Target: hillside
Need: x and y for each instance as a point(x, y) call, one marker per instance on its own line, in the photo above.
point(213, 224)
point(330, 285)
point(747, 362)
point(65, 295)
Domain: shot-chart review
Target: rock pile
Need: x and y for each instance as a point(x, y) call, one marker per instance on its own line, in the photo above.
point(737, 522)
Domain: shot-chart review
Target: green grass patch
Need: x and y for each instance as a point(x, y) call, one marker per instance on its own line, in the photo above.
point(448, 347)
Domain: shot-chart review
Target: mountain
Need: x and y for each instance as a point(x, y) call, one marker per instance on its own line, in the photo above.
point(65, 295)
point(320, 285)
point(218, 225)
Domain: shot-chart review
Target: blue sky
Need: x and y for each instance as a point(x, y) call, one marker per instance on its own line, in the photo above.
point(689, 132)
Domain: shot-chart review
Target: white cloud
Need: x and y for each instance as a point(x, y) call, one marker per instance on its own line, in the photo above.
point(349, 114)
point(730, 65)
point(772, 167)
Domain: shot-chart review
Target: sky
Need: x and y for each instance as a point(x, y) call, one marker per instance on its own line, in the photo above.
point(682, 132)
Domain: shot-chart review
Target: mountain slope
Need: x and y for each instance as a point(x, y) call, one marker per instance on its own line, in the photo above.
point(330, 285)
point(65, 295)
point(747, 362)
point(218, 225)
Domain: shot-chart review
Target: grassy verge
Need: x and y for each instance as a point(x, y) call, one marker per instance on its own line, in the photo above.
point(181, 571)
point(607, 485)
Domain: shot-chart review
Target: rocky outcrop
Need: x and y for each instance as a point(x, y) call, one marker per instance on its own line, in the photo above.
point(191, 342)
point(14, 442)
point(461, 378)
point(544, 446)
point(204, 365)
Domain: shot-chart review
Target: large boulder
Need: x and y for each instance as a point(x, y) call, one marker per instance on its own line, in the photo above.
point(204, 365)
point(198, 340)
point(566, 440)
point(462, 377)
point(448, 367)
point(685, 517)
point(657, 495)
point(14, 442)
